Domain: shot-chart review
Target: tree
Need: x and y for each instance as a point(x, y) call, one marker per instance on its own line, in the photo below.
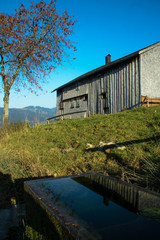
point(32, 43)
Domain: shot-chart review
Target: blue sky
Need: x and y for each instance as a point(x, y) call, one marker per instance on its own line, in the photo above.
point(118, 27)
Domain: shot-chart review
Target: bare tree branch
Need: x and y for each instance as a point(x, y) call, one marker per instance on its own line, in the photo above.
point(32, 43)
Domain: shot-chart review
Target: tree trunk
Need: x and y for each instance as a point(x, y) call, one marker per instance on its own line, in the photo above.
point(6, 109)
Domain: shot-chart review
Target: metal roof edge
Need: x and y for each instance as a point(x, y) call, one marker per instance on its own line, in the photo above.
point(132, 55)
point(98, 70)
point(149, 47)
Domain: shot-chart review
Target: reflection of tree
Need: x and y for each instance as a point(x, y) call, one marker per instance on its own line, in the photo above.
point(59, 200)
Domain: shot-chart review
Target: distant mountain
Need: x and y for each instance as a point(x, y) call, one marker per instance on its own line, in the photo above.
point(29, 114)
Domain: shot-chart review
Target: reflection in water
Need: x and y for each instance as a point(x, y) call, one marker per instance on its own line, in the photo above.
point(102, 212)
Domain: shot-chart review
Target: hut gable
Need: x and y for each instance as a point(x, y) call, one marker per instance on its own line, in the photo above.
point(150, 71)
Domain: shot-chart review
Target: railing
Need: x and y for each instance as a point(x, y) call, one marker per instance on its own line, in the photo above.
point(149, 102)
point(65, 114)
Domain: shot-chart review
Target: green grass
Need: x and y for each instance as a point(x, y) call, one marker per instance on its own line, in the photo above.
point(60, 148)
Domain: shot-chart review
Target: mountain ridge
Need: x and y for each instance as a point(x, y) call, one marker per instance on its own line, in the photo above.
point(30, 114)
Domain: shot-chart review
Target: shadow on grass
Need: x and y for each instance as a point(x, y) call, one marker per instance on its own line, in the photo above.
point(6, 190)
point(126, 143)
point(149, 178)
point(12, 198)
point(12, 192)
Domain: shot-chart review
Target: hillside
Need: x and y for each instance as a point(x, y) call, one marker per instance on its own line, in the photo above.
point(125, 145)
point(30, 114)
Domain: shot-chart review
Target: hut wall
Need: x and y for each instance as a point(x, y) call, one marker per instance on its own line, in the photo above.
point(110, 91)
point(73, 100)
point(116, 89)
point(150, 72)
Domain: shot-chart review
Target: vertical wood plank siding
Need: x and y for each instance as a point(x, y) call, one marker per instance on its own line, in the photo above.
point(110, 91)
point(122, 87)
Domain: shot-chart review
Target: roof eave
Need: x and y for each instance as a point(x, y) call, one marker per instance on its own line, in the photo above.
point(125, 58)
point(88, 74)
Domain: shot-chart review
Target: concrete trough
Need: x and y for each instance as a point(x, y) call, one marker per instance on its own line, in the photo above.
point(56, 208)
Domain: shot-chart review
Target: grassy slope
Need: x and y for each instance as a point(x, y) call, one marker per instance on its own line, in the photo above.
point(61, 148)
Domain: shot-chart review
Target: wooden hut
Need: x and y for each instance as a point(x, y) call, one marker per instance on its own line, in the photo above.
point(128, 82)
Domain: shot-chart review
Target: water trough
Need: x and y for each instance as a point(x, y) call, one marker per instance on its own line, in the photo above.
point(90, 206)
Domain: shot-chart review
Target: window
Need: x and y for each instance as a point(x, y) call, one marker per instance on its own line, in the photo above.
point(85, 98)
point(103, 95)
point(72, 103)
point(77, 103)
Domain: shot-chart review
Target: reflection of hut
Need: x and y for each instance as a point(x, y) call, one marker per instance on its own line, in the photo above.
point(91, 182)
point(128, 82)
point(138, 198)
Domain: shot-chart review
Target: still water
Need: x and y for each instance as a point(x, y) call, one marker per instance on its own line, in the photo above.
point(103, 214)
